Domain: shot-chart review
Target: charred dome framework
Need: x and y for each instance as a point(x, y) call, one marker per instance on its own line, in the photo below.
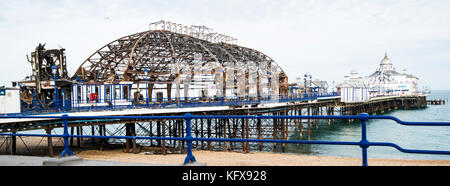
point(185, 59)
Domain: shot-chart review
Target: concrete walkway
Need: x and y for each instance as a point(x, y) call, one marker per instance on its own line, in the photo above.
point(8, 160)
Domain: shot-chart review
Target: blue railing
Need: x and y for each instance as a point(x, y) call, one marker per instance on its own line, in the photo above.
point(36, 107)
point(364, 143)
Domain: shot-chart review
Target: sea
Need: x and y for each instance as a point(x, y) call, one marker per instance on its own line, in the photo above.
point(409, 137)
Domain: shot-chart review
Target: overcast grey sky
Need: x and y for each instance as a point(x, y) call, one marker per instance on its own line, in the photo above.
point(325, 38)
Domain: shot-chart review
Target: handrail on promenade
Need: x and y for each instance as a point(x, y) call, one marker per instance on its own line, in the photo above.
point(364, 143)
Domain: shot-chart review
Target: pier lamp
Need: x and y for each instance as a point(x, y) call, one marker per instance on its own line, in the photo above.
point(56, 88)
point(146, 85)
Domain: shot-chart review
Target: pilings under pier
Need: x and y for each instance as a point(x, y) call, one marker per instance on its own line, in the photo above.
point(217, 127)
point(436, 102)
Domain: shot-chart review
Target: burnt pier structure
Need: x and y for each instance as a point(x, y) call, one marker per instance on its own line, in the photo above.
point(172, 70)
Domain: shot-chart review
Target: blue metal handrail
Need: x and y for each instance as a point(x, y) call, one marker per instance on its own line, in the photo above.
point(363, 143)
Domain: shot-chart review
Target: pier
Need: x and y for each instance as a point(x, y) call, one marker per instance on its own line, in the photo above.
point(227, 128)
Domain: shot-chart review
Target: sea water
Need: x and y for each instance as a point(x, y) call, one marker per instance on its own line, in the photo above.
point(410, 137)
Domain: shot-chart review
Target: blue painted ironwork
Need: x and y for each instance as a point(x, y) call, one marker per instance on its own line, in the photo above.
point(66, 150)
point(37, 107)
point(364, 144)
point(189, 157)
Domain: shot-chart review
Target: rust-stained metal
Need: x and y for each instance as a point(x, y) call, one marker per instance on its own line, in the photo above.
point(37, 90)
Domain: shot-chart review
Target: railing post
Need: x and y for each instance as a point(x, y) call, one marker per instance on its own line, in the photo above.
point(189, 157)
point(364, 143)
point(66, 150)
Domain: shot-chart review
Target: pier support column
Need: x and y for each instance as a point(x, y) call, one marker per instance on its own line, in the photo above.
point(150, 131)
point(287, 122)
point(194, 127)
point(130, 130)
point(13, 145)
point(224, 122)
point(49, 142)
point(202, 134)
point(243, 134)
point(93, 134)
point(127, 141)
point(158, 132)
point(309, 124)
point(78, 138)
point(258, 125)
point(274, 135)
point(283, 132)
point(133, 141)
point(164, 135)
point(100, 133)
point(180, 134)
point(173, 127)
point(72, 132)
point(300, 123)
point(208, 144)
point(247, 146)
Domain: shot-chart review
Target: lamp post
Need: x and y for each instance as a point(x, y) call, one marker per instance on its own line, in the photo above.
point(56, 88)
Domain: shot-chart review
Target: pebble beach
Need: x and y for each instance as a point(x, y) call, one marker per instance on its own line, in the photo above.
point(213, 158)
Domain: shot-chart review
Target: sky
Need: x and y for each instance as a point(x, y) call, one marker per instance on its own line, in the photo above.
point(326, 38)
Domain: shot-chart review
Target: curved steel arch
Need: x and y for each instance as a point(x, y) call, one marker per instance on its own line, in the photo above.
point(168, 55)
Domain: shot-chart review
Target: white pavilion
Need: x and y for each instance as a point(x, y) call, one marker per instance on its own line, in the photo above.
point(385, 81)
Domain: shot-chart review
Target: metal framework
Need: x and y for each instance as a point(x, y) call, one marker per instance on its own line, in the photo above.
point(38, 90)
point(172, 56)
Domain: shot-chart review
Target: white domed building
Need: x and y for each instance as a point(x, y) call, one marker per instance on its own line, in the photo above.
point(386, 81)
